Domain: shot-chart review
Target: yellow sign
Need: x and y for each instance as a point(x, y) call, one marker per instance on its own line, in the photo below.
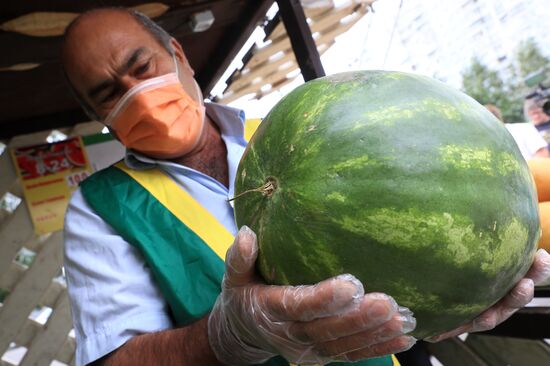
point(49, 174)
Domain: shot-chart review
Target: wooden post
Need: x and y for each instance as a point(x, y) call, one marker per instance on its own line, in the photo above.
point(298, 31)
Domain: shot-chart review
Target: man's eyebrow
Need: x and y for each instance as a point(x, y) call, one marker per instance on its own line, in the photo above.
point(132, 59)
point(94, 91)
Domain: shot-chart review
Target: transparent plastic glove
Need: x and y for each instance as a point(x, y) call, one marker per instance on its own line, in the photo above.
point(330, 321)
point(517, 298)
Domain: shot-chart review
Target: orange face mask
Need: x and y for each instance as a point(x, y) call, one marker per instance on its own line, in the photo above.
point(158, 118)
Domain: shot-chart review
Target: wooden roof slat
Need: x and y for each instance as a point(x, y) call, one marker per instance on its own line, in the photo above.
point(269, 79)
point(9, 278)
point(27, 332)
point(48, 341)
point(66, 351)
point(313, 14)
point(14, 231)
point(268, 67)
point(262, 69)
point(52, 293)
point(32, 327)
point(275, 87)
point(29, 289)
point(326, 23)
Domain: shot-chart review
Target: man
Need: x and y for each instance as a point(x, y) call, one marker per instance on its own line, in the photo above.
point(529, 141)
point(125, 270)
point(533, 137)
point(532, 108)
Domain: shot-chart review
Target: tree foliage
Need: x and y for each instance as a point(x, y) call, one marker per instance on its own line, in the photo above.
point(489, 87)
point(529, 58)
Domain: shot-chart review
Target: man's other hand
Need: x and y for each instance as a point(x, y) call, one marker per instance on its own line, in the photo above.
point(517, 298)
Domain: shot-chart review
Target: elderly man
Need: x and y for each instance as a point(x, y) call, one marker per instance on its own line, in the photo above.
point(142, 239)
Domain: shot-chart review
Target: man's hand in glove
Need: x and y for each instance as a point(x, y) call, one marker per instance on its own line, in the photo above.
point(333, 320)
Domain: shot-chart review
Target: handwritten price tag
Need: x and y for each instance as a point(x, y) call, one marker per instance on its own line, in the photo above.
point(73, 180)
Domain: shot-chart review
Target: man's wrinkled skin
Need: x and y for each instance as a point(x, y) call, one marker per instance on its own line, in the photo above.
point(105, 54)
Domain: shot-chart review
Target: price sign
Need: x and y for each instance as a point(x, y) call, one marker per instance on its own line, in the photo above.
point(50, 173)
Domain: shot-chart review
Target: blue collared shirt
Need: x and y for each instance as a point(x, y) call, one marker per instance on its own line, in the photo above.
point(112, 292)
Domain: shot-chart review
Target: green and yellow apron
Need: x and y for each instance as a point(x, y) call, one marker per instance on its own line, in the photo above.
point(182, 243)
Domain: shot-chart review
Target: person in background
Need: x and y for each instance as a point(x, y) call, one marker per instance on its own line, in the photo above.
point(532, 108)
point(529, 141)
point(495, 111)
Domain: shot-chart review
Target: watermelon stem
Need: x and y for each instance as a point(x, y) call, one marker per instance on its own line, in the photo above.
point(267, 189)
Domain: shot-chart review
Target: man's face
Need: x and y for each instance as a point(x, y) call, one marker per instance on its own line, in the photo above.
point(109, 53)
point(537, 115)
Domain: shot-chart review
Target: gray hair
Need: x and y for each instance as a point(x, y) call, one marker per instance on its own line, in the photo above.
point(159, 34)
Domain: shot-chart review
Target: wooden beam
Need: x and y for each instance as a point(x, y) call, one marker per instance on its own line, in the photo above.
point(232, 43)
point(301, 39)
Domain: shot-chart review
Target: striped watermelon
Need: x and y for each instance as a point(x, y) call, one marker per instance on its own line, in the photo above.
point(404, 182)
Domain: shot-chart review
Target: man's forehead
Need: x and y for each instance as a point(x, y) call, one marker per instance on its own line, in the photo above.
point(535, 108)
point(106, 28)
point(102, 38)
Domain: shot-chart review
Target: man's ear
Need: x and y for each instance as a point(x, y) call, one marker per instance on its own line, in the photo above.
point(180, 55)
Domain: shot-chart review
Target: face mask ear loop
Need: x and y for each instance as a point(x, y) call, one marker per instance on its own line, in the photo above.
point(176, 64)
